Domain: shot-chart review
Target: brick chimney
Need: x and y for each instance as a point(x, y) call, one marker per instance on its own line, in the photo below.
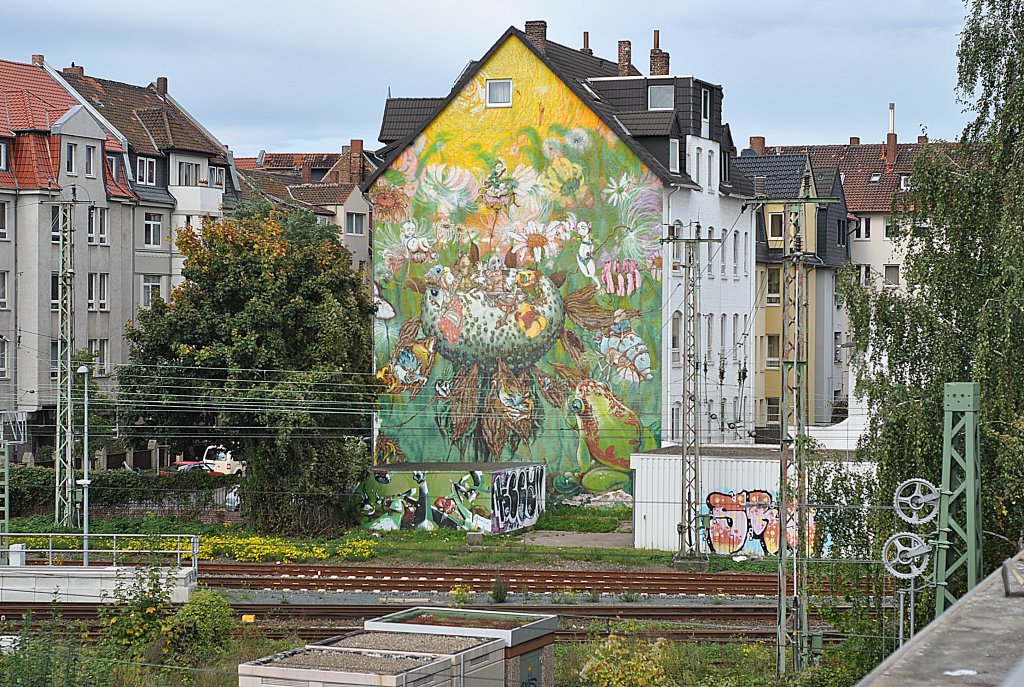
point(77, 70)
point(586, 44)
point(625, 57)
point(855, 140)
point(757, 143)
point(537, 31)
point(890, 138)
point(922, 139)
point(355, 162)
point(38, 60)
point(161, 85)
point(659, 58)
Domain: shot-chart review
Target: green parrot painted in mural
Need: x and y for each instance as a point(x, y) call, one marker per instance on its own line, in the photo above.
point(609, 431)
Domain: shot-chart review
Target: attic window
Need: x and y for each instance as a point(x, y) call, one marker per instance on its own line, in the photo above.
point(3, 156)
point(875, 178)
point(661, 97)
point(499, 93)
point(904, 182)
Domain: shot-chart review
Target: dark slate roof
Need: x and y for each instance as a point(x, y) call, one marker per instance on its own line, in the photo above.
point(648, 123)
point(574, 64)
point(154, 195)
point(406, 116)
point(601, 108)
point(784, 173)
point(151, 123)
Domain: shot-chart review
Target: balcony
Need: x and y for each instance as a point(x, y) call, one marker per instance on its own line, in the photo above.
point(197, 200)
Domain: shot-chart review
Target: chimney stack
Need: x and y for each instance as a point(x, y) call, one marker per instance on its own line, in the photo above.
point(586, 44)
point(625, 57)
point(537, 31)
point(38, 60)
point(890, 138)
point(757, 143)
point(161, 85)
point(760, 186)
point(855, 140)
point(659, 58)
point(355, 161)
point(922, 139)
point(77, 70)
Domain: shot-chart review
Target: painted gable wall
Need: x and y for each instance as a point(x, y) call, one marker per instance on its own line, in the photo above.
point(518, 262)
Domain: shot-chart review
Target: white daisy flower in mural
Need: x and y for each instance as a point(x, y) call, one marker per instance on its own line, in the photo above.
point(577, 139)
point(537, 241)
point(527, 180)
point(618, 190)
point(454, 187)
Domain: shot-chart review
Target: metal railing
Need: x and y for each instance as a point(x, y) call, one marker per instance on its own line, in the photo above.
point(126, 547)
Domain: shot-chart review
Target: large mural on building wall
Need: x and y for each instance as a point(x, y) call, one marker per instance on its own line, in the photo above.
point(517, 271)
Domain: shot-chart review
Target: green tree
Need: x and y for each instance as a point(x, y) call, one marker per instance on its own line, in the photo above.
point(961, 226)
point(265, 346)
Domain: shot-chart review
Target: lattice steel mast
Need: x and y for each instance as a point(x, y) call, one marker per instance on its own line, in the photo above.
point(64, 461)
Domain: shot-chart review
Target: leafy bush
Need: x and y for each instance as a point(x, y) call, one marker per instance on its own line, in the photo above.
point(499, 590)
point(134, 620)
point(620, 662)
point(202, 627)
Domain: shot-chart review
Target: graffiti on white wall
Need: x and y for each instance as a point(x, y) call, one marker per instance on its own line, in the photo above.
point(748, 521)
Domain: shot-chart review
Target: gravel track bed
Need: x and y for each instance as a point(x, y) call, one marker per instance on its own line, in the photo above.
point(343, 660)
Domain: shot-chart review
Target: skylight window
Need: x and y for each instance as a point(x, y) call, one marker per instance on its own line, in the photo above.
point(661, 97)
point(875, 178)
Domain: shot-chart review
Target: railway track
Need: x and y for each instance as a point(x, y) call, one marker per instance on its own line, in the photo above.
point(373, 578)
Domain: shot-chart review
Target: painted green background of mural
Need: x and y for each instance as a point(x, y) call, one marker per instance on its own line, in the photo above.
point(517, 269)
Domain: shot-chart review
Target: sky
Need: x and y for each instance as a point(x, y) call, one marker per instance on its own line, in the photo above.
point(308, 76)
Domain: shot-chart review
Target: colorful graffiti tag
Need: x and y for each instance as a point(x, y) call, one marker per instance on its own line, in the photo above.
point(498, 501)
point(517, 275)
point(749, 521)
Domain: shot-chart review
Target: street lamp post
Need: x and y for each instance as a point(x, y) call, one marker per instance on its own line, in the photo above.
point(84, 483)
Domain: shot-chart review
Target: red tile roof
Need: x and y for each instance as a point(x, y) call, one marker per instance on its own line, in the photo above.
point(289, 161)
point(35, 160)
point(29, 98)
point(116, 187)
point(322, 193)
point(858, 163)
point(245, 163)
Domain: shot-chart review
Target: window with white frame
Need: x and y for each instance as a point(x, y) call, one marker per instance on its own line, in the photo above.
point(696, 166)
point(71, 153)
point(863, 230)
point(4, 369)
point(90, 161)
point(188, 174)
point(722, 326)
point(724, 161)
point(841, 229)
point(145, 171)
point(773, 415)
point(746, 252)
point(773, 350)
point(776, 226)
point(216, 177)
point(3, 219)
point(354, 222)
point(705, 104)
point(98, 286)
point(735, 337)
point(98, 349)
point(837, 347)
point(892, 276)
point(711, 171)
point(661, 97)
point(57, 218)
point(677, 324)
point(3, 156)
point(864, 275)
point(723, 249)
point(499, 92)
point(676, 414)
point(885, 229)
point(904, 182)
point(735, 254)
point(3, 290)
point(112, 163)
point(54, 291)
point(711, 251)
point(97, 226)
point(673, 155)
point(152, 232)
point(711, 327)
point(151, 288)
point(54, 358)
point(773, 287)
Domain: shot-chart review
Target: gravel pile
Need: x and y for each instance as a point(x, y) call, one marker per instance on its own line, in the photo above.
point(408, 641)
point(354, 662)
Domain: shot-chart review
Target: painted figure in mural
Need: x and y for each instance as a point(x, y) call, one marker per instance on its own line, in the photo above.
point(522, 260)
point(462, 508)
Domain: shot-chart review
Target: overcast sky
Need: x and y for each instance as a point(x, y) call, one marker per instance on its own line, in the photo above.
point(307, 76)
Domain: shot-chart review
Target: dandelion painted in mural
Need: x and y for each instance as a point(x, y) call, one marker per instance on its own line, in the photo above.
point(525, 298)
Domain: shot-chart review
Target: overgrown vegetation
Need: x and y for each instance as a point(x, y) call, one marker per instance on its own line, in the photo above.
point(267, 344)
point(583, 518)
